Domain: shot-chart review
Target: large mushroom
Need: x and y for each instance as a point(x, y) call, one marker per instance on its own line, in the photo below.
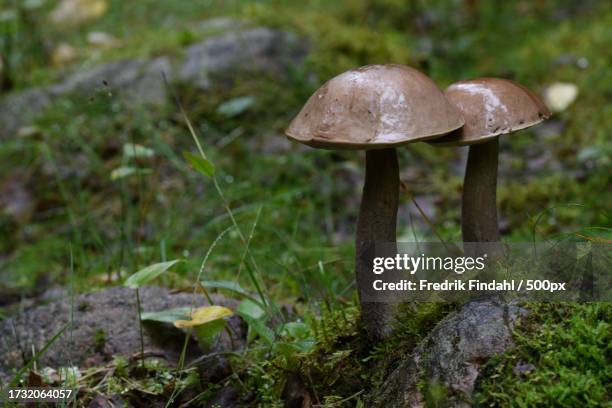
point(375, 108)
point(490, 107)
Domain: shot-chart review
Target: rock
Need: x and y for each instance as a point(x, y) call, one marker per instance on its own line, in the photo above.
point(427, 203)
point(136, 79)
point(549, 129)
point(16, 200)
point(140, 80)
point(105, 323)
point(272, 144)
point(1, 73)
point(295, 394)
point(19, 109)
point(257, 49)
point(113, 75)
point(227, 397)
point(543, 162)
point(108, 401)
point(452, 355)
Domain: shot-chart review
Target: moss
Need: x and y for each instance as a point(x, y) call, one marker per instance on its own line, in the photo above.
point(568, 346)
point(435, 394)
point(99, 340)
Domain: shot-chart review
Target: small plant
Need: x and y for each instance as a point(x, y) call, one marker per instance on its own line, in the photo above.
point(21, 40)
point(140, 278)
point(206, 323)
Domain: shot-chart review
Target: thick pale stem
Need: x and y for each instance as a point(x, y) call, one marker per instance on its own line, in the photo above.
point(479, 209)
point(377, 223)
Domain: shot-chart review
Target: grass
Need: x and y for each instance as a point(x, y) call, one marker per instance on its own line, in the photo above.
point(301, 204)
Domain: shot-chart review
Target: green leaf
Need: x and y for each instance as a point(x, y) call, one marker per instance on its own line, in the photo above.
point(200, 164)
point(33, 4)
point(306, 345)
point(299, 332)
point(250, 308)
point(131, 150)
point(589, 153)
point(167, 316)
point(7, 16)
point(148, 274)
point(295, 330)
point(123, 171)
point(235, 106)
point(259, 327)
point(288, 350)
point(207, 333)
point(126, 171)
point(231, 286)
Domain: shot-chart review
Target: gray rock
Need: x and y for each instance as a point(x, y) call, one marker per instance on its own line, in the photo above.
point(226, 397)
point(274, 144)
point(113, 75)
point(140, 80)
point(549, 129)
point(259, 49)
point(19, 109)
point(150, 86)
point(134, 79)
point(452, 355)
point(544, 162)
point(427, 203)
point(16, 200)
point(108, 401)
point(105, 325)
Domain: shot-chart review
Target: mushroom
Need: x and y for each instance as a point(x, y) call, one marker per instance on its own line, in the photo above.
point(491, 107)
point(375, 108)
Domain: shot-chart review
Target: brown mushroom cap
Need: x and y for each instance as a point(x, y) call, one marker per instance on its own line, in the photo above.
point(374, 107)
point(492, 107)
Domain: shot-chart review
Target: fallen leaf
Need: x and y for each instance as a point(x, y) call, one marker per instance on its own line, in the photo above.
point(63, 54)
point(560, 95)
point(100, 39)
point(202, 315)
point(75, 12)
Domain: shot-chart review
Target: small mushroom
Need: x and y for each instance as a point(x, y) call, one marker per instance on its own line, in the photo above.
point(491, 107)
point(375, 108)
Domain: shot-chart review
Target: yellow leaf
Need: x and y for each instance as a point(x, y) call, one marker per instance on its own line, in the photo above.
point(203, 315)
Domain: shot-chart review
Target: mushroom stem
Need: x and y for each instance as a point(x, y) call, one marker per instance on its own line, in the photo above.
point(376, 223)
point(479, 210)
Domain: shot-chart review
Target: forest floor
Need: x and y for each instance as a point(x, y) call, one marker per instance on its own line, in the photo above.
point(97, 187)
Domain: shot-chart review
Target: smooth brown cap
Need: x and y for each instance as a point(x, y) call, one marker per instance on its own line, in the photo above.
point(492, 107)
point(374, 107)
